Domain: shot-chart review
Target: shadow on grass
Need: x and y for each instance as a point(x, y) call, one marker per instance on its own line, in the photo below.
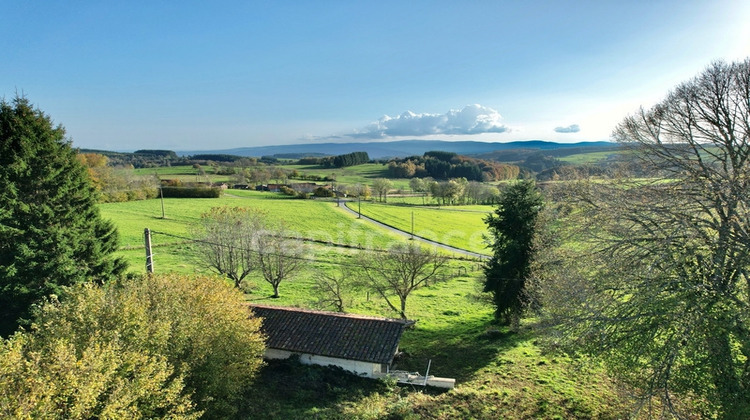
point(456, 352)
point(290, 390)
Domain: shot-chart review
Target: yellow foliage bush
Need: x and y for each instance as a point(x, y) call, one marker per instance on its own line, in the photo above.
point(151, 347)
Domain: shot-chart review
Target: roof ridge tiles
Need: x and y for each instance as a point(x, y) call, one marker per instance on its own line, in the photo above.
point(331, 313)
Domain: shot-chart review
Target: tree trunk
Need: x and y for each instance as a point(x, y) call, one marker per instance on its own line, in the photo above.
point(733, 400)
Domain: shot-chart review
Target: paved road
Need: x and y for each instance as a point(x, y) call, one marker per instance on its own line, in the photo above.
point(463, 252)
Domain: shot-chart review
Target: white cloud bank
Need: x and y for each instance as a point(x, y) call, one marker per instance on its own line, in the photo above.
point(472, 119)
point(573, 128)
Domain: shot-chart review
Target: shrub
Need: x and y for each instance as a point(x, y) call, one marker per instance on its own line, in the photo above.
point(136, 348)
point(323, 192)
point(287, 191)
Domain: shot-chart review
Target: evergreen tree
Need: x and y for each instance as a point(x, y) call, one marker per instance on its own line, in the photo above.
point(51, 233)
point(512, 228)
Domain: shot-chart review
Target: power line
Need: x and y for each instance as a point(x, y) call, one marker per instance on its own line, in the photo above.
point(317, 260)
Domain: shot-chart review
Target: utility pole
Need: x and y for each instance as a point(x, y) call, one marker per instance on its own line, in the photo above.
point(149, 255)
point(359, 205)
point(161, 194)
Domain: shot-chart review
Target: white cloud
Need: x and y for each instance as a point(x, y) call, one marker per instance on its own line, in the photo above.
point(573, 128)
point(472, 119)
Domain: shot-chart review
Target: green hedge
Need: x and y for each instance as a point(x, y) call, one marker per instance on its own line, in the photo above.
point(191, 192)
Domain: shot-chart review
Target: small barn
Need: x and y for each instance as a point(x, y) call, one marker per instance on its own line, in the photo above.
point(360, 344)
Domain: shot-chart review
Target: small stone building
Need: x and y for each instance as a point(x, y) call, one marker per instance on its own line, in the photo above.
point(360, 344)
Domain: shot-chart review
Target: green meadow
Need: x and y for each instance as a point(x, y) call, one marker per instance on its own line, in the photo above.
point(458, 226)
point(183, 173)
point(314, 220)
point(499, 374)
point(589, 158)
point(360, 174)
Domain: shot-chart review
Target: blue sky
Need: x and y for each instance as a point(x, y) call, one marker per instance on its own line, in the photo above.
point(212, 75)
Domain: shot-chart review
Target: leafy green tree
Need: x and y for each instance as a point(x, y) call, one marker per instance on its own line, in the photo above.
point(663, 295)
point(512, 228)
point(51, 233)
point(417, 185)
point(381, 186)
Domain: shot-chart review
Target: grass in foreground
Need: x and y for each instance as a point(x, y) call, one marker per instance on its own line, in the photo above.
point(499, 374)
point(507, 376)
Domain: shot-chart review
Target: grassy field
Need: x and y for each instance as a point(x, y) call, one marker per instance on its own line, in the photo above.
point(499, 374)
point(353, 174)
point(458, 226)
point(310, 219)
point(589, 158)
point(360, 174)
point(184, 173)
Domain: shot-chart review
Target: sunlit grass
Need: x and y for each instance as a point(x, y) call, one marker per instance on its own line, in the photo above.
point(309, 219)
point(458, 226)
point(499, 374)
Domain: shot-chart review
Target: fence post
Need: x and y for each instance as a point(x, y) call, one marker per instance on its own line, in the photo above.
point(149, 255)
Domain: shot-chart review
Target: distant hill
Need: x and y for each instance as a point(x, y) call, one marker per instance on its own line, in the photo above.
point(402, 148)
point(511, 155)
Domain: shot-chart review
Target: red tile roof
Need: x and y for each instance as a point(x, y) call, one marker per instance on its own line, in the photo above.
point(332, 334)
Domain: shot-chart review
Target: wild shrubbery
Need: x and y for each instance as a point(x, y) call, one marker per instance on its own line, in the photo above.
point(151, 347)
point(117, 184)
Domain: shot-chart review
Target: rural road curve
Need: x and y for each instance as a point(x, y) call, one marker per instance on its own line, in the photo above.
point(463, 252)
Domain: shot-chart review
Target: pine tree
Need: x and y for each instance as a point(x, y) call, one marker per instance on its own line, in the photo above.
point(51, 233)
point(512, 227)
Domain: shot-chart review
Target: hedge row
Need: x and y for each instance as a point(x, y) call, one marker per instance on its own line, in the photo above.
point(191, 192)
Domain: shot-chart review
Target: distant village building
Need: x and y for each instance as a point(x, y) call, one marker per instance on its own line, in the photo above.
point(305, 187)
point(274, 187)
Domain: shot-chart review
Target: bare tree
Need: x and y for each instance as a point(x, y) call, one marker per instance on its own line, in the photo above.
point(664, 296)
point(400, 271)
point(227, 239)
point(334, 288)
point(279, 256)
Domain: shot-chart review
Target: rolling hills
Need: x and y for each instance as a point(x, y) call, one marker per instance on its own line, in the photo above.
point(401, 148)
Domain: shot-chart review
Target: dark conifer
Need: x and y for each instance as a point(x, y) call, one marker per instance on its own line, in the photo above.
point(512, 227)
point(51, 233)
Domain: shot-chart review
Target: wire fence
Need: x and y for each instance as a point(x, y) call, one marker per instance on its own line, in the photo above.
point(188, 240)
